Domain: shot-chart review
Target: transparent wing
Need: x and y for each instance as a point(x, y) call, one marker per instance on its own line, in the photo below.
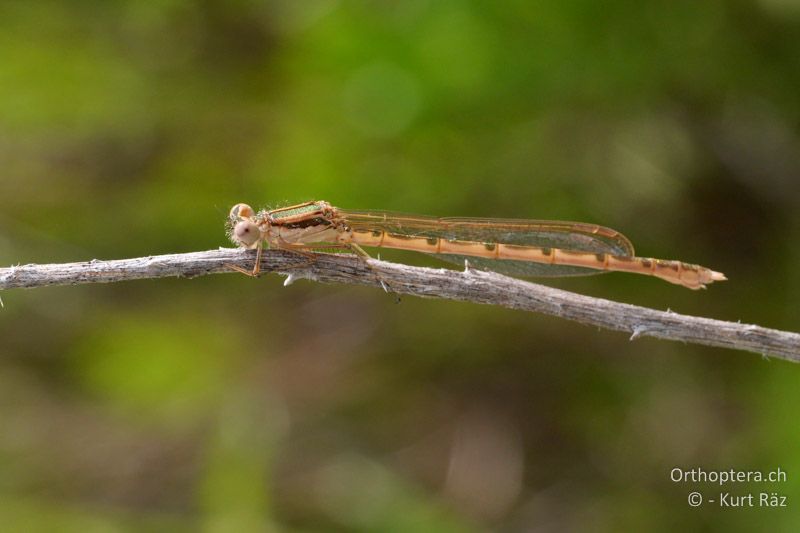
point(574, 236)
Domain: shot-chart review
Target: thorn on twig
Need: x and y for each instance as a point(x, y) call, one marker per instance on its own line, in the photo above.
point(638, 331)
point(12, 272)
point(466, 266)
point(291, 278)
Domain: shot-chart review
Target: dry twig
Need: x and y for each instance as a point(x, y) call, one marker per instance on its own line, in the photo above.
point(469, 285)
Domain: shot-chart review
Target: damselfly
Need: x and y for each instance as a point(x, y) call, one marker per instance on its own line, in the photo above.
point(516, 247)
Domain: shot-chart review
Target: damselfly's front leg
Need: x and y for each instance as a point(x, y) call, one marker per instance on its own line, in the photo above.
point(281, 245)
point(256, 267)
point(303, 250)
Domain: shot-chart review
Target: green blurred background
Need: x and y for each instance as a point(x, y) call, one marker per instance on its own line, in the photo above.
point(225, 403)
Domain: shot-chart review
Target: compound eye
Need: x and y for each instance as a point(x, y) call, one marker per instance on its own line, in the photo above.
point(246, 233)
point(241, 211)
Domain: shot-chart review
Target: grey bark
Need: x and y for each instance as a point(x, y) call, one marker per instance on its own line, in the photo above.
point(468, 285)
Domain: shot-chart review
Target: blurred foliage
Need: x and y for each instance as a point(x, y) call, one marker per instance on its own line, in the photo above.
point(227, 404)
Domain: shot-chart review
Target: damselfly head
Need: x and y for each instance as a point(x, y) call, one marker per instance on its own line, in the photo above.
point(246, 233)
point(240, 211)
